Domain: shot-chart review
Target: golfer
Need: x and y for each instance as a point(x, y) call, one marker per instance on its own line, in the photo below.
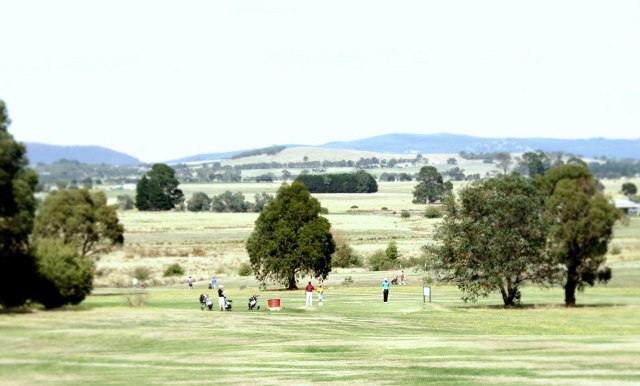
point(320, 292)
point(385, 289)
point(309, 292)
point(221, 298)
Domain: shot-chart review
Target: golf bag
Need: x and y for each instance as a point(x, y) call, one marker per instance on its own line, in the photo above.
point(394, 280)
point(227, 304)
point(253, 301)
point(205, 302)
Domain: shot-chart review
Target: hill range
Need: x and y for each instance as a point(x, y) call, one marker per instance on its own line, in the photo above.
point(390, 143)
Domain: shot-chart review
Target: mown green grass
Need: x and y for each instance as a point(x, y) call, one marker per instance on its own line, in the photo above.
point(353, 339)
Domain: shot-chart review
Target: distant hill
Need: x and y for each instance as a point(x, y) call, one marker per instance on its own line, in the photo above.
point(40, 152)
point(390, 143)
point(453, 143)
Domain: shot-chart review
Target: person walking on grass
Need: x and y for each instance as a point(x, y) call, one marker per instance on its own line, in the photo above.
point(190, 283)
point(214, 282)
point(221, 302)
point(320, 292)
point(385, 289)
point(402, 278)
point(309, 294)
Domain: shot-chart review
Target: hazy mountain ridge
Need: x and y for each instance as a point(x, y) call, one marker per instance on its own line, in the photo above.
point(441, 143)
point(453, 143)
point(94, 155)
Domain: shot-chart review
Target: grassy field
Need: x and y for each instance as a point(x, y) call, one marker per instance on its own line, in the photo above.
point(353, 339)
point(159, 335)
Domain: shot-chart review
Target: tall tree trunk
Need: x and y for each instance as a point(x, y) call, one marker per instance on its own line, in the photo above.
point(292, 282)
point(570, 286)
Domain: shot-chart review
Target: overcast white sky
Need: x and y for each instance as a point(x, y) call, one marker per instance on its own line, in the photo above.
point(161, 80)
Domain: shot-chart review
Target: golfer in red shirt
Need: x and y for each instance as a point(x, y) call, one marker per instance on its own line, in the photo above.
point(309, 292)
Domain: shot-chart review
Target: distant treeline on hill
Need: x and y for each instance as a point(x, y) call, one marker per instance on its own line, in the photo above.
point(272, 150)
point(358, 182)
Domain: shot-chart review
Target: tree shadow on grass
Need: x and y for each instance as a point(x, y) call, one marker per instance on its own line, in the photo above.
point(128, 293)
point(540, 306)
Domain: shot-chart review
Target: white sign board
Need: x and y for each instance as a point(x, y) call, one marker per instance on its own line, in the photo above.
point(426, 292)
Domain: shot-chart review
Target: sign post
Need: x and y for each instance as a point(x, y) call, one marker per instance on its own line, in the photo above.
point(426, 291)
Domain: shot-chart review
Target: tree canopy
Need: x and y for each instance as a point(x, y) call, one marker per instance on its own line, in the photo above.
point(629, 189)
point(358, 182)
point(158, 189)
point(290, 239)
point(581, 221)
point(80, 218)
point(17, 211)
point(431, 188)
point(492, 239)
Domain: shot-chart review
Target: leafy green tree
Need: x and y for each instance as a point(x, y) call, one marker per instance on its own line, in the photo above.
point(431, 188)
point(456, 174)
point(260, 201)
point(365, 182)
point(503, 161)
point(80, 218)
point(581, 222)
point(629, 189)
point(228, 202)
point(17, 212)
point(125, 202)
point(290, 239)
point(492, 238)
point(392, 251)
point(199, 202)
point(158, 189)
point(142, 194)
point(65, 276)
point(344, 256)
point(535, 164)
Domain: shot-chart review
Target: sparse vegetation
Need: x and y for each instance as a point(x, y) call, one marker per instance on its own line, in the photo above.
point(174, 269)
point(245, 269)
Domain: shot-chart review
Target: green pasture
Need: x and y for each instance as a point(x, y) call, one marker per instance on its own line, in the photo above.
point(353, 339)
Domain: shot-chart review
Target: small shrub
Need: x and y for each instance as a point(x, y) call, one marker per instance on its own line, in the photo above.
point(173, 270)
point(347, 281)
point(197, 251)
point(392, 251)
point(64, 276)
point(354, 206)
point(405, 214)
point(379, 261)
point(324, 210)
point(615, 250)
point(432, 213)
point(384, 208)
point(142, 273)
point(245, 269)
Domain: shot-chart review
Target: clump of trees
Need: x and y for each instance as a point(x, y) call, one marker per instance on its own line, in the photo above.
point(358, 182)
point(492, 238)
point(431, 188)
point(46, 257)
point(503, 232)
point(290, 239)
point(226, 202)
point(271, 150)
point(158, 189)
